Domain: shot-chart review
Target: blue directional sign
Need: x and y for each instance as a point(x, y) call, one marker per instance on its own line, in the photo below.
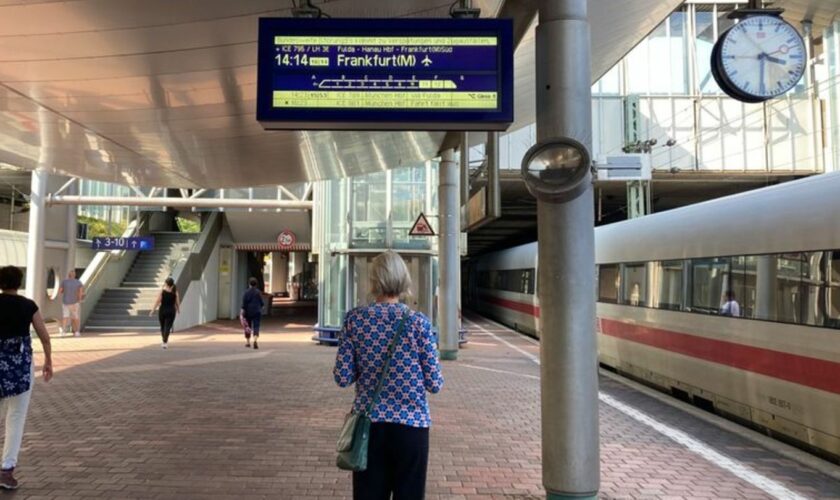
point(139, 243)
point(385, 74)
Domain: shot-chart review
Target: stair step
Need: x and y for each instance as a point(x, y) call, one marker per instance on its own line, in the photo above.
point(117, 317)
point(133, 320)
point(103, 328)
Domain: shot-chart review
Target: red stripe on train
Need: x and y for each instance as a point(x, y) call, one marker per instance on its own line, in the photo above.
point(803, 370)
point(513, 305)
point(812, 372)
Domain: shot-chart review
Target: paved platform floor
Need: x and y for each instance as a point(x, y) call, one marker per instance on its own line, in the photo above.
point(210, 419)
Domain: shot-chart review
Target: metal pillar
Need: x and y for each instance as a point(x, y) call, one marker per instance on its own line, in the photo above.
point(569, 368)
point(638, 199)
point(450, 266)
point(494, 195)
point(72, 211)
point(465, 169)
point(12, 212)
point(36, 279)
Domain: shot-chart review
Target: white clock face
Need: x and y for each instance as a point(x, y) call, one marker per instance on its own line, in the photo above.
point(763, 56)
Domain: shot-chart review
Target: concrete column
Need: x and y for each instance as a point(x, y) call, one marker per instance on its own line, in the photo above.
point(36, 277)
point(279, 271)
point(450, 265)
point(566, 282)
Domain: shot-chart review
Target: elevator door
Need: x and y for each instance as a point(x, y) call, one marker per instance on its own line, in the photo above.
point(419, 268)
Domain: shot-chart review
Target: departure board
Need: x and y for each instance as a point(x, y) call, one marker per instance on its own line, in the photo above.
point(388, 74)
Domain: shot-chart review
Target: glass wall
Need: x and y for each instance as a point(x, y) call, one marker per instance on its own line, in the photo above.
point(104, 220)
point(663, 90)
point(356, 218)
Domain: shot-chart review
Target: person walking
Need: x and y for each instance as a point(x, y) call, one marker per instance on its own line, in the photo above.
point(170, 306)
point(72, 293)
point(398, 450)
point(252, 304)
point(16, 366)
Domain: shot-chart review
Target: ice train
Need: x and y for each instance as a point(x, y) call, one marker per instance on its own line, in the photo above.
point(662, 281)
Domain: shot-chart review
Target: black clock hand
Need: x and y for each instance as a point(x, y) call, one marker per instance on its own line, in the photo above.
point(774, 59)
point(761, 59)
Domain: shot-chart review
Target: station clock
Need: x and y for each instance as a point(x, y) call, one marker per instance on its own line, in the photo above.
point(759, 58)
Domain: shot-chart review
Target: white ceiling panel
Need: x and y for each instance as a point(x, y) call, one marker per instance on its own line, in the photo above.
point(162, 92)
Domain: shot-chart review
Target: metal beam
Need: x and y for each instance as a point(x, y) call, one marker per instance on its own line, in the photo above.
point(131, 201)
point(66, 185)
point(288, 193)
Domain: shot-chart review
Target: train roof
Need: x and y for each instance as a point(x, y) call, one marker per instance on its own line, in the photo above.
point(793, 216)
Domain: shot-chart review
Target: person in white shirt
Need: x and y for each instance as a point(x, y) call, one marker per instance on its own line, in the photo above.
point(731, 306)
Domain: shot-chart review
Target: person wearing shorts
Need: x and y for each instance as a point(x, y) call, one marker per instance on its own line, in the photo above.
point(71, 292)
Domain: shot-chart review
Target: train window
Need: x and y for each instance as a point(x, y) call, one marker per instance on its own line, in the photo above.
point(709, 283)
point(814, 288)
point(742, 283)
point(608, 283)
point(527, 281)
point(634, 285)
point(668, 284)
point(832, 298)
point(789, 289)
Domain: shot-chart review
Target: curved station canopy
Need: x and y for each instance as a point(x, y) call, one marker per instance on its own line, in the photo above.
point(162, 93)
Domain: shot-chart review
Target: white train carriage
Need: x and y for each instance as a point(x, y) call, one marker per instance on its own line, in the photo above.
point(663, 281)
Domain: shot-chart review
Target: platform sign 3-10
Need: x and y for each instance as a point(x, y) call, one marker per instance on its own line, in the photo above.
point(140, 243)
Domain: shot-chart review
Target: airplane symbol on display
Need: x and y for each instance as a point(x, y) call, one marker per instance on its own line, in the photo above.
point(426, 61)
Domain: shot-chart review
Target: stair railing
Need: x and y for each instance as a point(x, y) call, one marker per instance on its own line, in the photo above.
point(107, 269)
point(190, 267)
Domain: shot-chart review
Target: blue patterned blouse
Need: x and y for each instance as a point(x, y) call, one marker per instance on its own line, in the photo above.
point(414, 369)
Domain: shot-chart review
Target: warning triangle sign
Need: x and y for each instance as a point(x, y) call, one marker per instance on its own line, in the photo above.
point(421, 227)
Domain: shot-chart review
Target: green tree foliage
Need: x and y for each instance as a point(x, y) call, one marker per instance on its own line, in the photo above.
point(187, 225)
point(98, 227)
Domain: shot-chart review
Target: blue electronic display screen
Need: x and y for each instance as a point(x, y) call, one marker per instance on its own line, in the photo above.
point(139, 243)
point(389, 74)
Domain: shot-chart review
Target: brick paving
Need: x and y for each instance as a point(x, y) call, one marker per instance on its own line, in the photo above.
point(210, 419)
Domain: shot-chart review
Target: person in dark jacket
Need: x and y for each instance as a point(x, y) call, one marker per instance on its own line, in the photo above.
point(252, 304)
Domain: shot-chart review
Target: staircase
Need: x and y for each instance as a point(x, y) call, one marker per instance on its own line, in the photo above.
point(127, 308)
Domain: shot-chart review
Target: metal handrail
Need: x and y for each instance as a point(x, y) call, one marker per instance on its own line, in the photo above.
point(92, 271)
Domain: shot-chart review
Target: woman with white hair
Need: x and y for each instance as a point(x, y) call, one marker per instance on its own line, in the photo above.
point(398, 451)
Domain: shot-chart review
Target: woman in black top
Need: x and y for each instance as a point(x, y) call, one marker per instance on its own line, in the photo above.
point(252, 304)
point(16, 375)
point(170, 305)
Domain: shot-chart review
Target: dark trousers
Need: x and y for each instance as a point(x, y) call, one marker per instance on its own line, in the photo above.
point(397, 459)
point(167, 318)
point(254, 324)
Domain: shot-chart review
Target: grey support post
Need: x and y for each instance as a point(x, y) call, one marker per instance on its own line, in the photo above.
point(72, 223)
point(557, 171)
point(450, 261)
point(36, 279)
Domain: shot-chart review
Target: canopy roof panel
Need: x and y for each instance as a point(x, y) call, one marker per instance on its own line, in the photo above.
point(156, 92)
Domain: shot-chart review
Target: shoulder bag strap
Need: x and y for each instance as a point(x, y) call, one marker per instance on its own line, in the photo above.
point(391, 348)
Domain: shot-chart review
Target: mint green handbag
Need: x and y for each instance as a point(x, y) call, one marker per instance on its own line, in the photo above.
point(352, 446)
